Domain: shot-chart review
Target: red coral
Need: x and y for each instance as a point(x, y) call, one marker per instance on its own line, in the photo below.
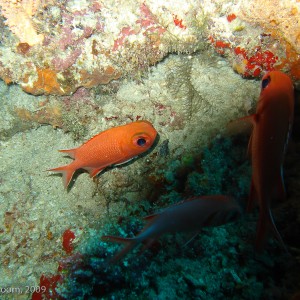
point(231, 17)
point(68, 237)
point(245, 64)
point(219, 45)
point(260, 60)
point(47, 288)
point(178, 22)
point(239, 50)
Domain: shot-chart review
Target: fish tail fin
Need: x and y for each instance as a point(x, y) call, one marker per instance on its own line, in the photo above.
point(146, 245)
point(130, 243)
point(67, 172)
point(264, 225)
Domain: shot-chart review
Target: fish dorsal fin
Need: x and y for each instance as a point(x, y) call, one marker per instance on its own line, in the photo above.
point(241, 125)
point(70, 152)
point(192, 198)
point(95, 136)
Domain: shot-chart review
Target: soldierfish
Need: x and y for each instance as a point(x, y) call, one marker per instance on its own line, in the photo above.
point(114, 146)
point(272, 124)
point(187, 216)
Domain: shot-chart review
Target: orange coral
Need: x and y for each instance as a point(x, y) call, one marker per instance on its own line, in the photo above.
point(50, 82)
point(46, 83)
point(7, 79)
point(6, 74)
point(90, 80)
point(292, 62)
point(51, 115)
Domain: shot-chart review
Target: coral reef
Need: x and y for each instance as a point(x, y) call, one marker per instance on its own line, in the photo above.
point(88, 44)
point(94, 43)
point(189, 67)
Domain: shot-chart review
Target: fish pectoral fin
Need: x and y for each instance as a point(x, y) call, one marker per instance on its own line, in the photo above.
point(241, 125)
point(93, 171)
point(119, 163)
point(147, 244)
point(251, 119)
point(129, 243)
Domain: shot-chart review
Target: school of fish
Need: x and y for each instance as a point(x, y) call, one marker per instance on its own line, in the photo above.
point(271, 126)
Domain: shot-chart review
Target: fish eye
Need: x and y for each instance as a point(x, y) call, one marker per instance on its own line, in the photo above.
point(265, 82)
point(141, 142)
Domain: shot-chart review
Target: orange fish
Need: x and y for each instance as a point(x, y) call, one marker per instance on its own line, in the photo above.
point(110, 147)
point(187, 216)
point(272, 123)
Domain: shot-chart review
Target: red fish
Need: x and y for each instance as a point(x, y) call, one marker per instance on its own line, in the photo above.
point(272, 123)
point(110, 147)
point(187, 216)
